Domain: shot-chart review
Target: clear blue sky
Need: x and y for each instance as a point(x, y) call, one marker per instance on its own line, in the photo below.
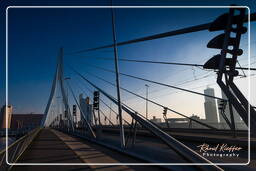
point(35, 36)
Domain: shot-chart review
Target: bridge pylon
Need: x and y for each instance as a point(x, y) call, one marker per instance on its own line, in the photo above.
point(54, 108)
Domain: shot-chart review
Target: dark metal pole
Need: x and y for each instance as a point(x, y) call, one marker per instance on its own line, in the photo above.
point(195, 28)
point(146, 100)
point(165, 63)
point(231, 110)
point(94, 116)
point(66, 79)
point(110, 112)
point(117, 81)
point(99, 118)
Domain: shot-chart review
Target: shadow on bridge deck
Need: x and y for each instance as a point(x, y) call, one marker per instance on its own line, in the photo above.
point(54, 147)
point(48, 148)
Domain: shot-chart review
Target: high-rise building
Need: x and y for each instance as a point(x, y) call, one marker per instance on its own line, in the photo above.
point(86, 108)
point(237, 118)
point(210, 106)
point(6, 110)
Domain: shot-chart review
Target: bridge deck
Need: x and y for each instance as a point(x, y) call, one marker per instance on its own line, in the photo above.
point(52, 146)
point(48, 148)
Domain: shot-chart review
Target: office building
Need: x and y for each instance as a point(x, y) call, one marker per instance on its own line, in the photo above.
point(210, 106)
point(6, 113)
point(87, 108)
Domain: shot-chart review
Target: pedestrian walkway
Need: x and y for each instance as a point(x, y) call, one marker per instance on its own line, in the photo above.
point(51, 146)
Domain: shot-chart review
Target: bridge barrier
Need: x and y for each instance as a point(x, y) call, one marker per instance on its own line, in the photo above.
point(15, 150)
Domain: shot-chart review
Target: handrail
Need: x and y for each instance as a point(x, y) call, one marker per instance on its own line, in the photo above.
point(20, 139)
point(16, 149)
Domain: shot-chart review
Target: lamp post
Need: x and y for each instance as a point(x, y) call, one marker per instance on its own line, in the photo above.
point(66, 79)
point(146, 100)
point(110, 111)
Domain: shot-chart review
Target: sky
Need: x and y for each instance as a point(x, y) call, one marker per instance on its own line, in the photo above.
point(35, 36)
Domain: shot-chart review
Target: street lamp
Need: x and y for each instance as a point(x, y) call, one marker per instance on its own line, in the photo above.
point(66, 79)
point(146, 100)
point(110, 111)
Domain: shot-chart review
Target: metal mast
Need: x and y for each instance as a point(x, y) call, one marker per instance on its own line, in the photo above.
point(117, 81)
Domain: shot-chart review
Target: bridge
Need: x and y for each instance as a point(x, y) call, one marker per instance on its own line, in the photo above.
point(61, 143)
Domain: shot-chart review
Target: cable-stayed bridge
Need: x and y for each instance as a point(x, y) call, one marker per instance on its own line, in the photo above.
point(97, 140)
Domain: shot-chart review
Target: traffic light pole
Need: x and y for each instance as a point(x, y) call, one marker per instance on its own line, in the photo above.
point(233, 126)
point(95, 119)
point(165, 117)
point(96, 107)
point(99, 118)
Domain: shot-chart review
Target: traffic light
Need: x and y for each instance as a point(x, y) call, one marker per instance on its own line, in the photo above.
point(165, 117)
point(65, 114)
point(228, 42)
point(165, 111)
point(96, 96)
point(74, 110)
point(222, 105)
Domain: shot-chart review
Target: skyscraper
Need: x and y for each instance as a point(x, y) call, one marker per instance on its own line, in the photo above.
point(210, 106)
point(86, 108)
point(6, 110)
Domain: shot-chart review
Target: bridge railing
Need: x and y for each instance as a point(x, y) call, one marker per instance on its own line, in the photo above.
point(15, 150)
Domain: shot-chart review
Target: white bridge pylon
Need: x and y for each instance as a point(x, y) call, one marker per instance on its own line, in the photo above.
point(57, 110)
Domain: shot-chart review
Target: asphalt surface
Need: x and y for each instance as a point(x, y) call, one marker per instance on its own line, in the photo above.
point(51, 146)
point(55, 147)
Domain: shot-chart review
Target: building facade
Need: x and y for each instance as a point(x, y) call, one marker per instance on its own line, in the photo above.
point(156, 120)
point(86, 109)
point(210, 106)
point(26, 121)
point(6, 113)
